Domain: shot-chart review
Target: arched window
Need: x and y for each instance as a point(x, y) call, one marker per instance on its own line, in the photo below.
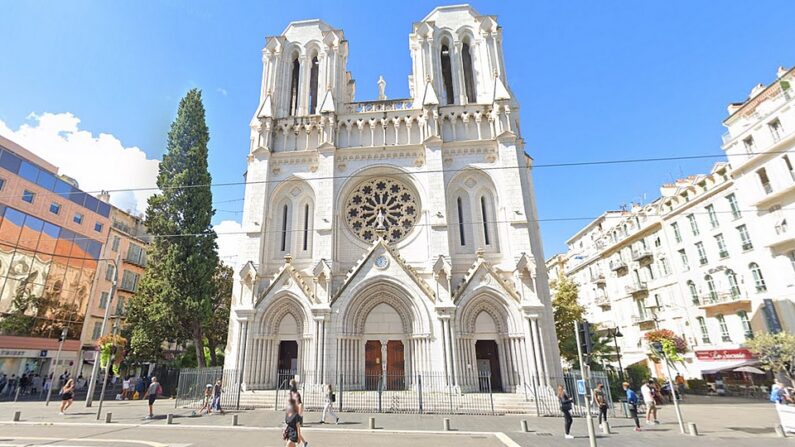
point(447, 75)
point(294, 86)
point(713, 293)
point(748, 332)
point(734, 288)
point(759, 280)
point(693, 291)
point(485, 218)
point(469, 75)
point(306, 227)
point(285, 229)
point(313, 73)
point(461, 232)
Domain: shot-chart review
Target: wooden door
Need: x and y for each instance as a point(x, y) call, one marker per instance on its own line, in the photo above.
point(372, 364)
point(395, 365)
point(286, 366)
point(486, 350)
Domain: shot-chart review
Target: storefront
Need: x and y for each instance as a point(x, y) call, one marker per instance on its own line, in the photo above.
point(32, 361)
point(719, 369)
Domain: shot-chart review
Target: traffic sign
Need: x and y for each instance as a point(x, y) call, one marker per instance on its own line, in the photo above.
point(581, 387)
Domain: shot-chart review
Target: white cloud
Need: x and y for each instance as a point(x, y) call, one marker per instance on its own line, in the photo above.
point(98, 162)
point(222, 91)
point(229, 232)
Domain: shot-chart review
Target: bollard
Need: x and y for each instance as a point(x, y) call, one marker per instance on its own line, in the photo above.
point(108, 417)
point(170, 419)
point(693, 429)
point(234, 421)
point(524, 426)
point(605, 428)
point(780, 432)
point(17, 416)
point(371, 423)
point(446, 424)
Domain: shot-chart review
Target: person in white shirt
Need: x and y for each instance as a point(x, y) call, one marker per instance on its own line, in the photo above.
point(648, 390)
point(125, 388)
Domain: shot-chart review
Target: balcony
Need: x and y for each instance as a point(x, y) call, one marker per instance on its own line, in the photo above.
point(617, 265)
point(641, 255)
point(767, 187)
point(599, 279)
point(644, 322)
point(728, 302)
point(637, 288)
point(602, 301)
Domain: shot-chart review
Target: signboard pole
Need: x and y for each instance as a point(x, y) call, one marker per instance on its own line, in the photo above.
point(55, 365)
point(585, 378)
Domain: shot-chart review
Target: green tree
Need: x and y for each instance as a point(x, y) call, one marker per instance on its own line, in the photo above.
point(776, 352)
point(177, 288)
point(217, 326)
point(567, 310)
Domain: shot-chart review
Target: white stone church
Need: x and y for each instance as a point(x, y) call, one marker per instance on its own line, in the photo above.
point(391, 237)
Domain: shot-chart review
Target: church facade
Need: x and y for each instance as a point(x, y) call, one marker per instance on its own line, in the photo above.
point(392, 237)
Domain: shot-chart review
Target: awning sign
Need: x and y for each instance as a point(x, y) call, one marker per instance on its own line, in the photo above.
point(724, 354)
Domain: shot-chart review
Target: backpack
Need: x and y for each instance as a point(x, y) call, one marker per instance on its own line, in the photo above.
point(333, 397)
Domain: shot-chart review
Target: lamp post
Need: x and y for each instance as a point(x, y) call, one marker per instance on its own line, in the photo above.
point(658, 348)
point(615, 333)
point(95, 368)
point(111, 359)
point(61, 339)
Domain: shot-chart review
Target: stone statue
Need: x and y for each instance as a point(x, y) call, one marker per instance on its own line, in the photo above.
point(379, 220)
point(381, 88)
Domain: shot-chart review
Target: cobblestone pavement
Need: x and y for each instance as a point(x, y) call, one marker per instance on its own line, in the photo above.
point(720, 421)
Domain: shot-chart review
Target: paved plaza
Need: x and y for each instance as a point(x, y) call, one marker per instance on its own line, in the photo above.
point(720, 421)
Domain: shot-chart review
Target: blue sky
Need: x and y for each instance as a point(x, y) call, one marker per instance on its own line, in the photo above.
point(596, 80)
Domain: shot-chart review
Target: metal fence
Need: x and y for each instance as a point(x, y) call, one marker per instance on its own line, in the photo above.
point(192, 383)
point(549, 405)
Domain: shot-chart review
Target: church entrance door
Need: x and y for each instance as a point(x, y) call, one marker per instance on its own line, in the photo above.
point(372, 364)
point(395, 365)
point(287, 365)
point(488, 363)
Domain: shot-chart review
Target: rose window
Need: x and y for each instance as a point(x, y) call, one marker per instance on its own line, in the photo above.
point(381, 203)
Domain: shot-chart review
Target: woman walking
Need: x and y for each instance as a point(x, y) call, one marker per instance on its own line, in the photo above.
point(292, 425)
point(600, 401)
point(330, 398)
point(296, 396)
point(565, 407)
point(67, 395)
point(208, 398)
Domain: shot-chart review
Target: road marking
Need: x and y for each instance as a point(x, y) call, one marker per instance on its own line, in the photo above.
point(123, 441)
point(505, 439)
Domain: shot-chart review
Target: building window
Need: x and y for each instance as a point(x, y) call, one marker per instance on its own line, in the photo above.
point(469, 74)
point(702, 253)
point(109, 273)
point(447, 75)
point(677, 233)
point(103, 300)
point(748, 143)
point(724, 329)
point(294, 86)
point(713, 292)
point(313, 74)
point(691, 286)
point(776, 131)
point(136, 255)
point(97, 332)
point(129, 281)
point(745, 238)
point(285, 212)
point(693, 224)
point(115, 245)
point(759, 280)
point(55, 208)
point(306, 227)
point(734, 206)
point(787, 164)
point(722, 251)
point(28, 196)
point(713, 216)
point(120, 307)
point(791, 256)
point(764, 180)
point(461, 235)
point(702, 324)
point(665, 267)
point(734, 287)
point(747, 331)
point(484, 216)
point(98, 227)
point(683, 258)
point(2, 183)
point(78, 218)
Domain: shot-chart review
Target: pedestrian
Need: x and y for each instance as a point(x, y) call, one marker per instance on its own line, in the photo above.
point(152, 393)
point(600, 400)
point(296, 396)
point(292, 425)
point(12, 384)
point(67, 396)
point(207, 400)
point(24, 383)
point(47, 383)
point(680, 386)
point(779, 394)
point(330, 399)
point(648, 392)
point(565, 407)
point(125, 388)
point(632, 403)
point(217, 391)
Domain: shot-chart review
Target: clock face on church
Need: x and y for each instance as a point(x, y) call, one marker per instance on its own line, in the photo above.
point(381, 201)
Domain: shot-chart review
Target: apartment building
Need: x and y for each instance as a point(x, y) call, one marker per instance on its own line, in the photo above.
point(712, 258)
point(51, 238)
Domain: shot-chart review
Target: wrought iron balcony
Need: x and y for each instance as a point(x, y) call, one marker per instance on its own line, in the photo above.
point(617, 264)
point(637, 288)
point(641, 255)
point(602, 301)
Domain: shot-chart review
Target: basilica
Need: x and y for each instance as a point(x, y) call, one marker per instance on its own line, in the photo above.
point(391, 237)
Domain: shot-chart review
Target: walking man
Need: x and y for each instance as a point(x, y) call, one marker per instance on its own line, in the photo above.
point(217, 390)
point(601, 402)
point(152, 392)
point(648, 391)
point(632, 403)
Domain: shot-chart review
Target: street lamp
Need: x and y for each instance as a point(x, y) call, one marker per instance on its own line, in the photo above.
point(95, 368)
point(615, 333)
point(658, 348)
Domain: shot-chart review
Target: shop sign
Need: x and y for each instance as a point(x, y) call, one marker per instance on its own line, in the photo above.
point(724, 354)
point(12, 353)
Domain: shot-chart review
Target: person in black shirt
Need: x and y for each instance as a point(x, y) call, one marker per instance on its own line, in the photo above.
point(292, 422)
point(565, 407)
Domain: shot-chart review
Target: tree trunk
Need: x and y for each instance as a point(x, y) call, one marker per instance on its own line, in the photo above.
point(213, 357)
point(198, 343)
